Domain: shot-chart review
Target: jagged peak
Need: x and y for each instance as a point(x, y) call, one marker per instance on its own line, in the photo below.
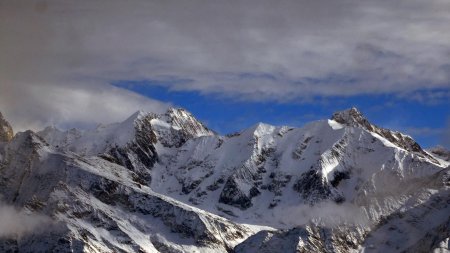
point(182, 119)
point(29, 139)
point(177, 110)
point(179, 114)
point(260, 129)
point(352, 117)
point(6, 130)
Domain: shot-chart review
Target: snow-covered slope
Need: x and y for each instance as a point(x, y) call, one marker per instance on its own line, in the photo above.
point(167, 183)
point(100, 206)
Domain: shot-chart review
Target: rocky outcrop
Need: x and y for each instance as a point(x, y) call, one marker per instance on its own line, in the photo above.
point(181, 127)
point(187, 123)
point(234, 195)
point(6, 131)
point(312, 187)
point(352, 117)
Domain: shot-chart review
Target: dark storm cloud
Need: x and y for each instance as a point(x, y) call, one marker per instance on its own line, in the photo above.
point(246, 49)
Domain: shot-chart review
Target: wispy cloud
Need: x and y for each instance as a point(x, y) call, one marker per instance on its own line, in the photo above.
point(428, 97)
point(16, 222)
point(424, 131)
point(35, 105)
point(327, 213)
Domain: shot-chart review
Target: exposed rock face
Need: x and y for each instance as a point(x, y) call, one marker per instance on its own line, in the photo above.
point(352, 117)
point(6, 131)
point(312, 187)
point(235, 196)
point(140, 154)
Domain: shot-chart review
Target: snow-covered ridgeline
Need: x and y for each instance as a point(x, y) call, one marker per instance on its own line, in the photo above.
point(167, 183)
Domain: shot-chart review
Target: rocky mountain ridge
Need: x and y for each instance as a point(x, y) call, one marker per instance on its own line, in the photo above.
point(6, 131)
point(167, 183)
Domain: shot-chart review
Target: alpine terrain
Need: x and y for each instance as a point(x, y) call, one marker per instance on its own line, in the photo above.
point(167, 183)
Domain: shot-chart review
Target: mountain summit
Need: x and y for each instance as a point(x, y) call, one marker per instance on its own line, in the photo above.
point(352, 117)
point(167, 183)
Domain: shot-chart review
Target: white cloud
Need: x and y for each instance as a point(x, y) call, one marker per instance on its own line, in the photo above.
point(16, 222)
point(276, 50)
point(327, 213)
point(71, 105)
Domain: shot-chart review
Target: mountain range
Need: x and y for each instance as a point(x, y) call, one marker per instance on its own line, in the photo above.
point(167, 183)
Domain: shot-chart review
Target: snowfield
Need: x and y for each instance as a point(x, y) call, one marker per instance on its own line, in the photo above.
point(167, 183)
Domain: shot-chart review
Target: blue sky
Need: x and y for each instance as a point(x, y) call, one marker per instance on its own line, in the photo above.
point(427, 121)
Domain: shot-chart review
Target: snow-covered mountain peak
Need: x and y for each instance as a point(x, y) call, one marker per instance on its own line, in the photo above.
point(6, 131)
point(351, 117)
point(172, 128)
point(354, 118)
point(183, 120)
point(159, 182)
point(260, 129)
